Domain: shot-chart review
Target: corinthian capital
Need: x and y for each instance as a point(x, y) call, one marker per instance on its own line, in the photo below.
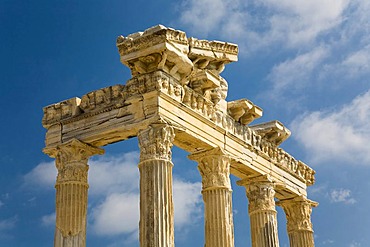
point(298, 212)
point(260, 192)
point(214, 166)
point(71, 160)
point(156, 142)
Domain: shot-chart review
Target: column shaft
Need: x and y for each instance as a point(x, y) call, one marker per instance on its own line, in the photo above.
point(214, 167)
point(156, 202)
point(71, 192)
point(298, 212)
point(262, 213)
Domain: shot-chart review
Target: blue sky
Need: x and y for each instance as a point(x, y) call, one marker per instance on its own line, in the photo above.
point(306, 63)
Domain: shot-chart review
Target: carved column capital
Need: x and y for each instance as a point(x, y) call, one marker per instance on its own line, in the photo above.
point(260, 192)
point(156, 142)
point(71, 160)
point(214, 166)
point(298, 212)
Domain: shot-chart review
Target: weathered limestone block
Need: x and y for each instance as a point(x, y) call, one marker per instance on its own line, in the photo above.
point(261, 192)
point(157, 48)
point(243, 111)
point(274, 131)
point(214, 166)
point(156, 203)
point(299, 226)
point(62, 110)
point(71, 191)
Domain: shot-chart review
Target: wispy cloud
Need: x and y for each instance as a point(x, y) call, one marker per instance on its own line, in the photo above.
point(355, 244)
point(341, 196)
point(48, 220)
point(337, 135)
point(6, 225)
point(260, 23)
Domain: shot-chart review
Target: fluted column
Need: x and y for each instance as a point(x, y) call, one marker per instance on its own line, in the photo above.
point(299, 226)
point(260, 192)
point(214, 166)
point(156, 203)
point(71, 191)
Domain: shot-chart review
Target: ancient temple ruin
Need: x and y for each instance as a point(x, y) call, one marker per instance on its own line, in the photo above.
point(176, 96)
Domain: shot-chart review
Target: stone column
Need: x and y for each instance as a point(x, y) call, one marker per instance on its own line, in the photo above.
point(260, 192)
point(71, 191)
point(156, 203)
point(298, 212)
point(214, 166)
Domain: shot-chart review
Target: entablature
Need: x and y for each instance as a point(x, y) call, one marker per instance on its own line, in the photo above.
point(183, 86)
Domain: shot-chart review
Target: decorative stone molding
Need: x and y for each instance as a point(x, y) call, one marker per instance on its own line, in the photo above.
point(56, 112)
point(157, 48)
point(243, 111)
point(274, 131)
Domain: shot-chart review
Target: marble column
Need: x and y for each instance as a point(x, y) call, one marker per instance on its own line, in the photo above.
point(214, 166)
point(71, 191)
point(156, 203)
point(298, 212)
point(260, 192)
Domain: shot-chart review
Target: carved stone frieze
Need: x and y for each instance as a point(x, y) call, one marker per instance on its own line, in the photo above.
point(56, 112)
point(113, 96)
point(298, 212)
point(260, 192)
point(214, 166)
point(156, 142)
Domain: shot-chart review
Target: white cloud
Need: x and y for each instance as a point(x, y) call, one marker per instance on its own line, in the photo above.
point(187, 202)
point(260, 23)
point(341, 195)
point(8, 224)
point(48, 220)
point(117, 214)
point(355, 244)
point(206, 16)
point(295, 74)
point(109, 174)
point(43, 175)
point(338, 135)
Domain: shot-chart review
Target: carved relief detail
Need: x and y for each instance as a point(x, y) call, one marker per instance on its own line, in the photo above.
point(298, 212)
point(214, 166)
point(103, 98)
point(156, 142)
point(260, 192)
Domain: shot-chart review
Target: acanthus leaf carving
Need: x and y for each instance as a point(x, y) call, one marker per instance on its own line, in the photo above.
point(156, 142)
point(260, 192)
point(298, 213)
point(214, 167)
